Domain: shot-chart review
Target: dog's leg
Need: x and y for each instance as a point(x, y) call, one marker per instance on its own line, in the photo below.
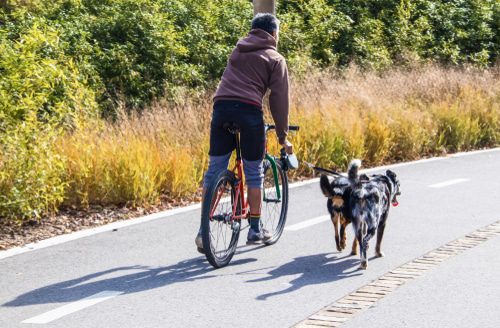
point(335, 221)
point(354, 250)
point(343, 225)
point(359, 237)
point(380, 235)
point(364, 247)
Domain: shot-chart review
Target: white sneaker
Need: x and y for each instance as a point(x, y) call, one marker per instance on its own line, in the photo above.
point(258, 237)
point(199, 243)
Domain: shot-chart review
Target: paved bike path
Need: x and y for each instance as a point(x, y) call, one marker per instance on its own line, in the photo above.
point(463, 291)
point(155, 278)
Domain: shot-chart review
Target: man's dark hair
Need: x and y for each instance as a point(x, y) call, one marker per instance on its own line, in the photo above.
point(266, 22)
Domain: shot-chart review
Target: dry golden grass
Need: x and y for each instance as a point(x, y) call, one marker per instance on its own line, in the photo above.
point(401, 115)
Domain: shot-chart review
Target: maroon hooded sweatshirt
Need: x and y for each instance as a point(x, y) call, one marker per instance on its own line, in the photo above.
point(254, 67)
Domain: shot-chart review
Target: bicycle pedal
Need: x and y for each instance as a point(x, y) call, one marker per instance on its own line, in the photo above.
point(219, 218)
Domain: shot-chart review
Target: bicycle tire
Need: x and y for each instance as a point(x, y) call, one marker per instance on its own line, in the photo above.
point(274, 209)
point(219, 258)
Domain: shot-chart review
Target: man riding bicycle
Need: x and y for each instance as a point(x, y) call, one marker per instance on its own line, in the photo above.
point(254, 67)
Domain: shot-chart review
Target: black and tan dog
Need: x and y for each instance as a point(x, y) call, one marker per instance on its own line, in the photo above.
point(338, 193)
point(364, 201)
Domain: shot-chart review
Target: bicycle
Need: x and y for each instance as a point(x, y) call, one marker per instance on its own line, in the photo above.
point(224, 205)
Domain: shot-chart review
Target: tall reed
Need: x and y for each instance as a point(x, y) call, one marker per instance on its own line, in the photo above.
point(400, 115)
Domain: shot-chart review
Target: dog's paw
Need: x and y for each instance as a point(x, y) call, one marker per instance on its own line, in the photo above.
point(379, 254)
point(342, 245)
point(363, 265)
point(339, 249)
point(354, 253)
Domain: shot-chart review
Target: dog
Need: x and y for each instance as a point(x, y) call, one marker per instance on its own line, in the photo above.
point(363, 200)
point(338, 193)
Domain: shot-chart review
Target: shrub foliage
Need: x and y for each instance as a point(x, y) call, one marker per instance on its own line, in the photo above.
point(134, 51)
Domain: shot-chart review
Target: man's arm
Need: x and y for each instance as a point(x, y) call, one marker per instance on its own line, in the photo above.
point(279, 99)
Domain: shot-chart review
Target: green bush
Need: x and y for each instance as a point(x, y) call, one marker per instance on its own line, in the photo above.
point(132, 52)
point(31, 171)
point(136, 51)
point(38, 77)
point(462, 31)
point(41, 95)
point(377, 33)
point(130, 49)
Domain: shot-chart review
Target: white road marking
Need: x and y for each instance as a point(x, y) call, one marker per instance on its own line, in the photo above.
point(448, 183)
point(73, 307)
point(160, 215)
point(308, 223)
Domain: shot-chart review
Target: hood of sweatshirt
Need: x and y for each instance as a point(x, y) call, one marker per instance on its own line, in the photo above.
point(257, 39)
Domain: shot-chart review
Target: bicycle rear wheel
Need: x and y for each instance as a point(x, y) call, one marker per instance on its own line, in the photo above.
point(274, 203)
point(218, 229)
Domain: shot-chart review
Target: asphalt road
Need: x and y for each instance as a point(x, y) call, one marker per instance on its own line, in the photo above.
point(150, 275)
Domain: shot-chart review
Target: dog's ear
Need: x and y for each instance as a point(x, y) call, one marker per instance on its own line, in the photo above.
point(391, 175)
point(325, 185)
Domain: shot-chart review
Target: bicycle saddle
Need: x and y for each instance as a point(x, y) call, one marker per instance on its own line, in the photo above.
point(231, 127)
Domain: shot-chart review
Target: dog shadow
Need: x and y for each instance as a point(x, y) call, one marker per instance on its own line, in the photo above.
point(313, 270)
point(129, 279)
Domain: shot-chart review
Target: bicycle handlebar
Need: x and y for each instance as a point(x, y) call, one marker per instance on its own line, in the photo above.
point(270, 127)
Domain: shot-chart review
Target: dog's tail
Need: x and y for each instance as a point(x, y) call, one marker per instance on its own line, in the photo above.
point(352, 172)
point(326, 187)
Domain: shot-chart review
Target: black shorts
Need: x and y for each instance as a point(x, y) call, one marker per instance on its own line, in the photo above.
point(249, 118)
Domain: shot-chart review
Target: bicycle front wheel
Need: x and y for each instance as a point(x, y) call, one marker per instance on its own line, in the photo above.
point(219, 230)
point(274, 200)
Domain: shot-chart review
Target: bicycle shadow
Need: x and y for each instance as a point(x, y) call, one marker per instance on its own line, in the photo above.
point(144, 278)
point(313, 270)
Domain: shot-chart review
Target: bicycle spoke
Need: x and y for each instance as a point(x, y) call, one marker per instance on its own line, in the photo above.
point(220, 227)
point(217, 241)
point(224, 235)
point(273, 217)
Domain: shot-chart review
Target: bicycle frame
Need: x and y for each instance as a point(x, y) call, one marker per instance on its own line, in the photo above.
point(240, 192)
point(240, 186)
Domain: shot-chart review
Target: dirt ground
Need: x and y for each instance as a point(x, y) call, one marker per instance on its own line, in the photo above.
point(70, 220)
